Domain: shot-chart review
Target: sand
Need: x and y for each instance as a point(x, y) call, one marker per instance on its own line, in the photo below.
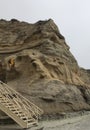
point(76, 123)
point(73, 123)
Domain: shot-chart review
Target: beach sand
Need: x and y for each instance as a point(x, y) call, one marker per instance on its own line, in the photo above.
point(70, 123)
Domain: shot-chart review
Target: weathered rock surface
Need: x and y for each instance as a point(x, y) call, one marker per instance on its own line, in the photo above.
point(45, 70)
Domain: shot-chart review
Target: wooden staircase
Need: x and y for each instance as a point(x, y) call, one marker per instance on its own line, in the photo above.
point(21, 110)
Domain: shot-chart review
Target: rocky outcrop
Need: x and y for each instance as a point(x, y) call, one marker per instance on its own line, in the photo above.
point(45, 70)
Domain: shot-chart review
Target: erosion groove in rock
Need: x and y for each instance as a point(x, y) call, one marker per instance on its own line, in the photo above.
point(45, 70)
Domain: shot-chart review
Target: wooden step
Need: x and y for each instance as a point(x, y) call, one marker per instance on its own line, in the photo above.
point(24, 112)
point(30, 120)
point(32, 123)
point(17, 112)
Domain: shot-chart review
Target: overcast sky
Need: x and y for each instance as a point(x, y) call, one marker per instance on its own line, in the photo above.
point(71, 16)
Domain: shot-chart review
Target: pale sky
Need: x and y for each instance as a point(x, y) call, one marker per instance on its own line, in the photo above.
point(71, 16)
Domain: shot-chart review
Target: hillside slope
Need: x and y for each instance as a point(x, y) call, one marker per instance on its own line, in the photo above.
point(45, 70)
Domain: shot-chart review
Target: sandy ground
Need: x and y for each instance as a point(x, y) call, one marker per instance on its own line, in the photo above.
point(74, 123)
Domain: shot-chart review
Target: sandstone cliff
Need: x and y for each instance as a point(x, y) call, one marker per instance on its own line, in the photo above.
point(45, 70)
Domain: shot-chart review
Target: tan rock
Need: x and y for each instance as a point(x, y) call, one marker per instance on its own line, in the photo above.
point(45, 70)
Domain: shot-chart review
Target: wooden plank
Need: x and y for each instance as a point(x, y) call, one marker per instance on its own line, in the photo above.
point(13, 116)
point(18, 108)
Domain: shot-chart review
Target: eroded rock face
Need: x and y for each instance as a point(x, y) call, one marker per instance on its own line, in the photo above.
point(45, 70)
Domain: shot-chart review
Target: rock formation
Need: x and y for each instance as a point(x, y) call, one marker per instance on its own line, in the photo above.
point(45, 70)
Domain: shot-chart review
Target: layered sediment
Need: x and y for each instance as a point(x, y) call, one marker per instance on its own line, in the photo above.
point(45, 70)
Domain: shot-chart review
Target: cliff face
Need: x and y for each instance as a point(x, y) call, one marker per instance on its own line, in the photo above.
point(45, 70)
